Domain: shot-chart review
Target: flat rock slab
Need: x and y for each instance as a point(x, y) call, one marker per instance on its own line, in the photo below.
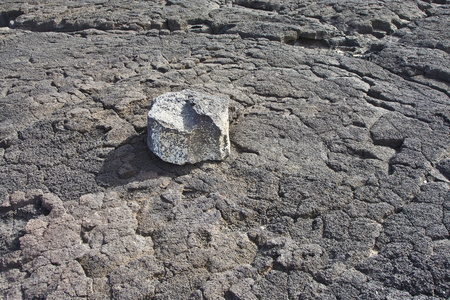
point(188, 127)
point(338, 185)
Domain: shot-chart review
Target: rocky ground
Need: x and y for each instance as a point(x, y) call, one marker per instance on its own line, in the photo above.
point(337, 186)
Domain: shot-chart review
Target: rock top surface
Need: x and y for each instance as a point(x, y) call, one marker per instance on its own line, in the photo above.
point(188, 127)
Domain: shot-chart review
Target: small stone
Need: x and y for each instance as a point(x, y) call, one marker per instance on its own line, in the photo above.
point(188, 127)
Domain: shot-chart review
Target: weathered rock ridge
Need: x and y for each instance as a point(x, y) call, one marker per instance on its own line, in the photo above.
point(337, 182)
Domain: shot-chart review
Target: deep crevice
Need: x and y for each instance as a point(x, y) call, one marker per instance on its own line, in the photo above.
point(5, 144)
point(310, 43)
point(379, 103)
point(258, 5)
point(8, 16)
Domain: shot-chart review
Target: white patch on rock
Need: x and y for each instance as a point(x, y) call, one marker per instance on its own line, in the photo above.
point(188, 127)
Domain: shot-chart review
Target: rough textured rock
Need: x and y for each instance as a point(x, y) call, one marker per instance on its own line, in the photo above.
point(188, 127)
point(337, 182)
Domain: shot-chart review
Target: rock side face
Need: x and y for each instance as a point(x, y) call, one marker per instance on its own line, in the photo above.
point(188, 127)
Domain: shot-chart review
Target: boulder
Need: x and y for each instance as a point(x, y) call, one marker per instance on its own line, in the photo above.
point(188, 127)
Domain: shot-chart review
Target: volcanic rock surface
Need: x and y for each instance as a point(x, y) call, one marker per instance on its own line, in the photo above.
point(336, 187)
point(188, 127)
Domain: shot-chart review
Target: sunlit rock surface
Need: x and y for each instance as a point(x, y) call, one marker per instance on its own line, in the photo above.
point(188, 127)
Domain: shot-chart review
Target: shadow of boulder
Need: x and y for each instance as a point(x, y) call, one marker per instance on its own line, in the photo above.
point(134, 162)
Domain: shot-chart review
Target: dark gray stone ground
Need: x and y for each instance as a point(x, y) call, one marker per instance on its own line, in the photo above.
point(337, 186)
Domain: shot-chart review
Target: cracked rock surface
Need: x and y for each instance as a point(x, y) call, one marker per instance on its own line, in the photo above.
point(336, 186)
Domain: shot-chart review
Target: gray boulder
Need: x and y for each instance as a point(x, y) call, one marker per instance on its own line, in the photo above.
point(188, 127)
